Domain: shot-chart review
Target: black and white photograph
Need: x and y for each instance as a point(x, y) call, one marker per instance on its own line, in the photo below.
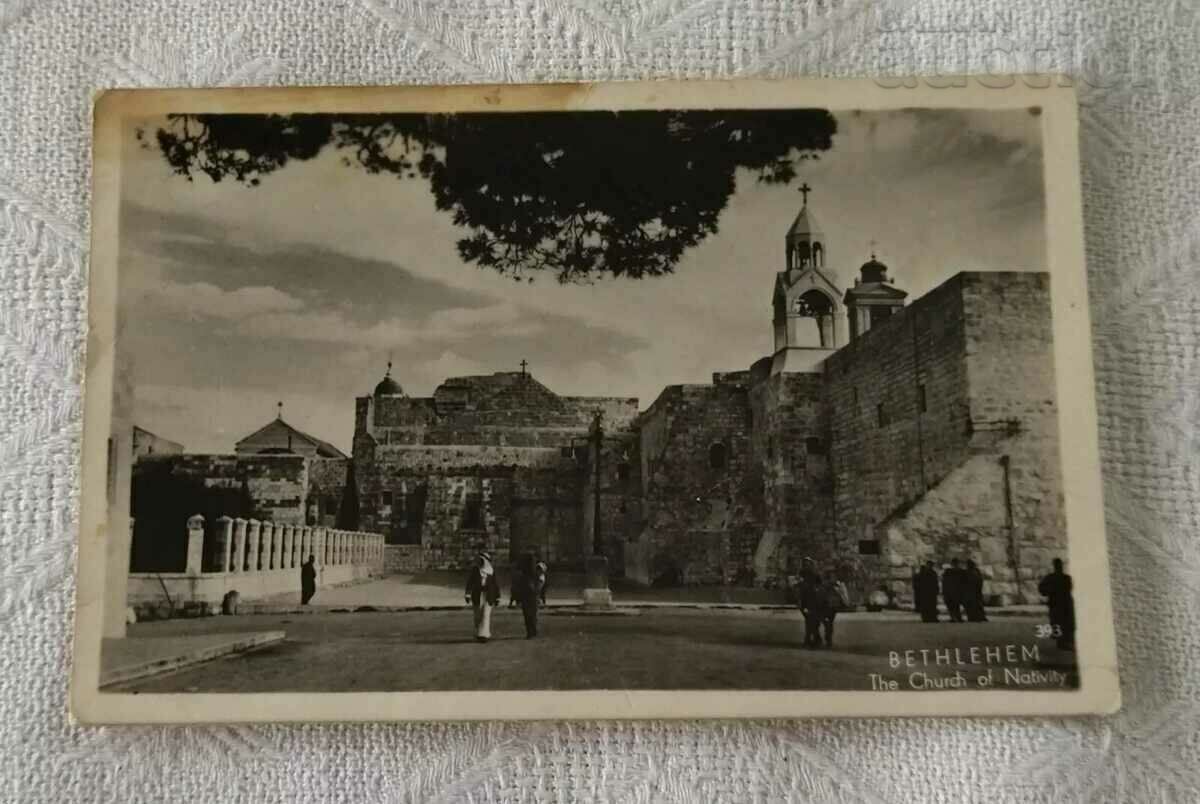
point(549, 394)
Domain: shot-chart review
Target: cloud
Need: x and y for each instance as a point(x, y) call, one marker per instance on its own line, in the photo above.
point(200, 299)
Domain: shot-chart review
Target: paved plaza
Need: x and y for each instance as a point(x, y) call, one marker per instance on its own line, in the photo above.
point(659, 648)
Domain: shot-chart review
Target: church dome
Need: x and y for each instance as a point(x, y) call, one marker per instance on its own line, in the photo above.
point(874, 271)
point(387, 386)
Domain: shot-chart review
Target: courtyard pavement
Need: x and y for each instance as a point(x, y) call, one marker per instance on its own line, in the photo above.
point(660, 648)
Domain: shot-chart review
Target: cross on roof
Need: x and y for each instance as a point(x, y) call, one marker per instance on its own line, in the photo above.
point(804, 191)
point(524, 365)
point(279, 413)
point(872, 249)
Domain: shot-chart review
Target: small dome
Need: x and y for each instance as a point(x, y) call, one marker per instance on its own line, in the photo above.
point(874, 271)
point(387, 386)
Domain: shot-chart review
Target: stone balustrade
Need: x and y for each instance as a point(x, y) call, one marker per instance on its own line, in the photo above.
point(257, 559)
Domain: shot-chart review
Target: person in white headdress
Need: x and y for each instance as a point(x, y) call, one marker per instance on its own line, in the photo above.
point(483, 592)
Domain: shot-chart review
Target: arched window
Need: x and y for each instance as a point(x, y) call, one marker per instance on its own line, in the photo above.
point(717, 455)
point(818, 255)
point(818, 306)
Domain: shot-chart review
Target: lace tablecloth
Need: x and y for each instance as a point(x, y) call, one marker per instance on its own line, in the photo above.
point(1140, 66)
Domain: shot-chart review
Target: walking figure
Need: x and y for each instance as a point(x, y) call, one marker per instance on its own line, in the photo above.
point(483, 592)
point(525, 590)
point(812, 606)
point(308, 580)
point(835, 597)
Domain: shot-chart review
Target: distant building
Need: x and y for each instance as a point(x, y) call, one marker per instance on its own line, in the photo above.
point(148, 445)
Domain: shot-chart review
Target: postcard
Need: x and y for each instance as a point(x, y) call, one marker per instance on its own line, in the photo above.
point(646, 400)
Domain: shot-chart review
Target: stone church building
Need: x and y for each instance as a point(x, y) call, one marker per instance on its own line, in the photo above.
point(878, 434)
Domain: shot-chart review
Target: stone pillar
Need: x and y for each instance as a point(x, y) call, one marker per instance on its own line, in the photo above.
point(288, 547)
point(268, 545)
point(277, 548)
point(254, 533)
point(331, 547)
point(195, 545)
point(239, 545)
point(224, 543)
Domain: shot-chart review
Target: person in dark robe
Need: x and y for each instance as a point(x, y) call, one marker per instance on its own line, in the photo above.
point(973, 593)
point(835, 597)
point(927, 593)
point(1057, 589)
point(482, 593)
point(812, 606)
point(952, 590)
point(525, 589)
point(308, 580)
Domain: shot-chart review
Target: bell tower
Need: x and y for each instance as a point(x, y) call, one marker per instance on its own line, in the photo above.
point(808, 319)
point(873, 299)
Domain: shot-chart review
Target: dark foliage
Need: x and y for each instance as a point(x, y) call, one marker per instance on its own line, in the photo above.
point(576, 195)
point(161, 503)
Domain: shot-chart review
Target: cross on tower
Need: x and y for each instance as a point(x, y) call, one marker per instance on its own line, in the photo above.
point(524, 365)
point(872, 249)
point(804, 191)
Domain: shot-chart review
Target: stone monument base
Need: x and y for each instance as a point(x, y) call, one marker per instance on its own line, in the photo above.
point(597, 598)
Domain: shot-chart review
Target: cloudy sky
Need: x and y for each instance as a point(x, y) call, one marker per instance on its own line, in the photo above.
point(298, 290)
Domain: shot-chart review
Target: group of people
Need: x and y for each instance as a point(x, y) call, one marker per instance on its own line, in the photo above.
point(820, 597)
point(961, 590)
point(529, 582)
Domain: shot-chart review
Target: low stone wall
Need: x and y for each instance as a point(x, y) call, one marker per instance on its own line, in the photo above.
point(401, 559)
point(256, 560)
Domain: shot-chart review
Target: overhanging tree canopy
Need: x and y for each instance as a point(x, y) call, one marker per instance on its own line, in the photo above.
point(576, 195)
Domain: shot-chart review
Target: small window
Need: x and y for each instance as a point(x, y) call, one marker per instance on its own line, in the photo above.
point(814, 445)
point(717, 456)
point(385, 498)
point(622, 471)
point(921, 405)
point(868, 547)
point(473, 512)
point(881, 415)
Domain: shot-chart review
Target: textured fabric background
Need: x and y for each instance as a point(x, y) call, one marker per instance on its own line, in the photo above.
point(1141, 68)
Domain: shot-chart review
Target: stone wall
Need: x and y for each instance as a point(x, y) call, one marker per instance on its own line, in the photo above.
point(886, 447)
point(965, 461)
point(326, 485)
point(403, 559)
point(791, 455)
point(701, 498)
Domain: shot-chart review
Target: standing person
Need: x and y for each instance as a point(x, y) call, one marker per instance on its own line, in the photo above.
point(812, 606)
point(835, 598)
point(483, 592)
point(927, 593)
point(308, 580)
point(525, 590)
point(973, 593)
point(952, 590)
point(1056, 588)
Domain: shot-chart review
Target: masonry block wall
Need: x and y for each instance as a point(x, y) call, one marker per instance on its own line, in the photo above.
point(496, 461)
point(701, 509)
point(791, 450)
point(944, 435)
